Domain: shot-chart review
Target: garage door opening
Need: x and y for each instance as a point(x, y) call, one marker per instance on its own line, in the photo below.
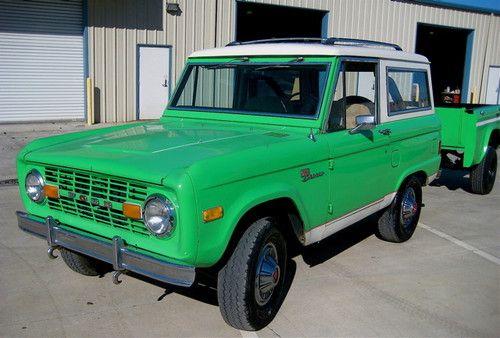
point(261, 21)
point(448, 49)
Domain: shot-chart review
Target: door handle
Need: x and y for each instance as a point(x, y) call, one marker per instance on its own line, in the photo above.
point(386, 131)
point(164, 84)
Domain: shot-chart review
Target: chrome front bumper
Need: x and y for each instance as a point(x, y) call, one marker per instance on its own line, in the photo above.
point(114, 252)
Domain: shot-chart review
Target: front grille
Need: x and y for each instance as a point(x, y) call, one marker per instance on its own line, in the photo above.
point(96, 197)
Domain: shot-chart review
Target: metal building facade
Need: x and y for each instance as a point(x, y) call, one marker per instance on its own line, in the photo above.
point(116, 27)
point(101, 41)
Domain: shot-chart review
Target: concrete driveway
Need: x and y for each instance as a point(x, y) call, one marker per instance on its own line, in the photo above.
point(445, 281)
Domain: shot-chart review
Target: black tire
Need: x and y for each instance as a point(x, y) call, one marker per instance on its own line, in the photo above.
point(483, 175)
point(398, 222)
point(82, 264)
point(241, 302)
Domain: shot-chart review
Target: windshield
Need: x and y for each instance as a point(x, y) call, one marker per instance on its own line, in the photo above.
point(277, 89)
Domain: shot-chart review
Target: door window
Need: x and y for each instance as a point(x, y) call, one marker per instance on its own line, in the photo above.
point(355, 95)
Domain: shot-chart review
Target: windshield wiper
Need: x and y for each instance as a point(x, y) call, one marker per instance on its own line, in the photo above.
point(228, 64)
point(220, 66)
point(272, 67)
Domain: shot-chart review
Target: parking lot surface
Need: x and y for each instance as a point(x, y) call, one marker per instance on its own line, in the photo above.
point(445, 281)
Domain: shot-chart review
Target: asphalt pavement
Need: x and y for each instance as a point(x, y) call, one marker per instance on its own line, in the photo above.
point(444, 282)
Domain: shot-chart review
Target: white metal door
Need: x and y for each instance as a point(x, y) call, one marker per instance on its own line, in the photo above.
point(493, 88)
point(154, 81)
point(41, 60)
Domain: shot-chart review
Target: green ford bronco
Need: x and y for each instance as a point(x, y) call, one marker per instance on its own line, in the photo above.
point(263, 146)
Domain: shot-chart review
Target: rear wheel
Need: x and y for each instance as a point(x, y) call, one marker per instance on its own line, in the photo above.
point(483, 175)
point(250, 285)
point(399, 220)
point(83, 264)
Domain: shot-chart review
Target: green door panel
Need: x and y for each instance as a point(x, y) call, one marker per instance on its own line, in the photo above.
point(358, 161)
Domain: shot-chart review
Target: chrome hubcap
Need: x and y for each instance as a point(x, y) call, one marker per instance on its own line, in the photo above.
point(268, 274)
point(409, 207)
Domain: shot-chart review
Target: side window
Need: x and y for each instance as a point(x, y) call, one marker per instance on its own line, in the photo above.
point(355, 94)
point(407, 90)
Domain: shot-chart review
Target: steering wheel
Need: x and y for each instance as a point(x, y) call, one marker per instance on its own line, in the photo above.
point(289, 98)
point(284, 100)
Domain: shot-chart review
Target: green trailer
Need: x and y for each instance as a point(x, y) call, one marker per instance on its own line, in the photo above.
point(470, 137)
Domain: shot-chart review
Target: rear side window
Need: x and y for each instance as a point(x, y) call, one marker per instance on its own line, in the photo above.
point(407, 91)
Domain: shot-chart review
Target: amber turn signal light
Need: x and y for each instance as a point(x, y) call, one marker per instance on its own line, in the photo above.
point(131, 210)
point(51, 191)
point(213, 214)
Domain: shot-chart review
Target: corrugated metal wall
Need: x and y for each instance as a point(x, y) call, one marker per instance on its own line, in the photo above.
point(115, 29)
point(41, 60)
point(117, 26)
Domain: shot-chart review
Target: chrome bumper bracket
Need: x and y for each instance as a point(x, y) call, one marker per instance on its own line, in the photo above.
point(114, 252)
point(51, 225)
point(117, 253)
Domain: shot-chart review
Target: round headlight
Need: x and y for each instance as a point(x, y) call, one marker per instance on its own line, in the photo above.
point(34, 186)
point(159, 215)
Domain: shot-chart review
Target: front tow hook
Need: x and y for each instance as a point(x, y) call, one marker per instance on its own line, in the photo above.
point(116, 275)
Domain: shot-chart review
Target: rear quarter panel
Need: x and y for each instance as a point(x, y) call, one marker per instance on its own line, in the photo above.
point(414, 147)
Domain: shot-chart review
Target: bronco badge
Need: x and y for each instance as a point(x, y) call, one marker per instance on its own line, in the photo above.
point(307, 175)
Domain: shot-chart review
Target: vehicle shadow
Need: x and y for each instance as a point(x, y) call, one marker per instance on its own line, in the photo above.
point(453, 180)
point(205, 287)
point(330, 247)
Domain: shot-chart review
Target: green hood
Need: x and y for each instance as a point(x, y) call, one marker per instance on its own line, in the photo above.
point(150, 151)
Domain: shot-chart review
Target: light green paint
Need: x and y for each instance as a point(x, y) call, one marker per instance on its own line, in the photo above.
point(204, 160)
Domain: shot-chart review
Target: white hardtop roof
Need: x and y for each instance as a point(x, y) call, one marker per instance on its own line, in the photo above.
point(308, 49)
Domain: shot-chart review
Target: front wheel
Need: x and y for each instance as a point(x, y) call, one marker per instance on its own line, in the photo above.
point(83, 264)
point(399, 220)
point(483, 175)
point(250, 286)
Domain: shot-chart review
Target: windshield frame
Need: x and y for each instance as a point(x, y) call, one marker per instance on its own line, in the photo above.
point(203, 112)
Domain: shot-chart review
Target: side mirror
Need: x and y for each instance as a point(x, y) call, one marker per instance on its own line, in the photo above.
point(363, 122)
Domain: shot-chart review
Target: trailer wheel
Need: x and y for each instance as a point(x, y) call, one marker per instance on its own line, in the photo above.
point(483, 175)
point(250, 286)
point(83, 264)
